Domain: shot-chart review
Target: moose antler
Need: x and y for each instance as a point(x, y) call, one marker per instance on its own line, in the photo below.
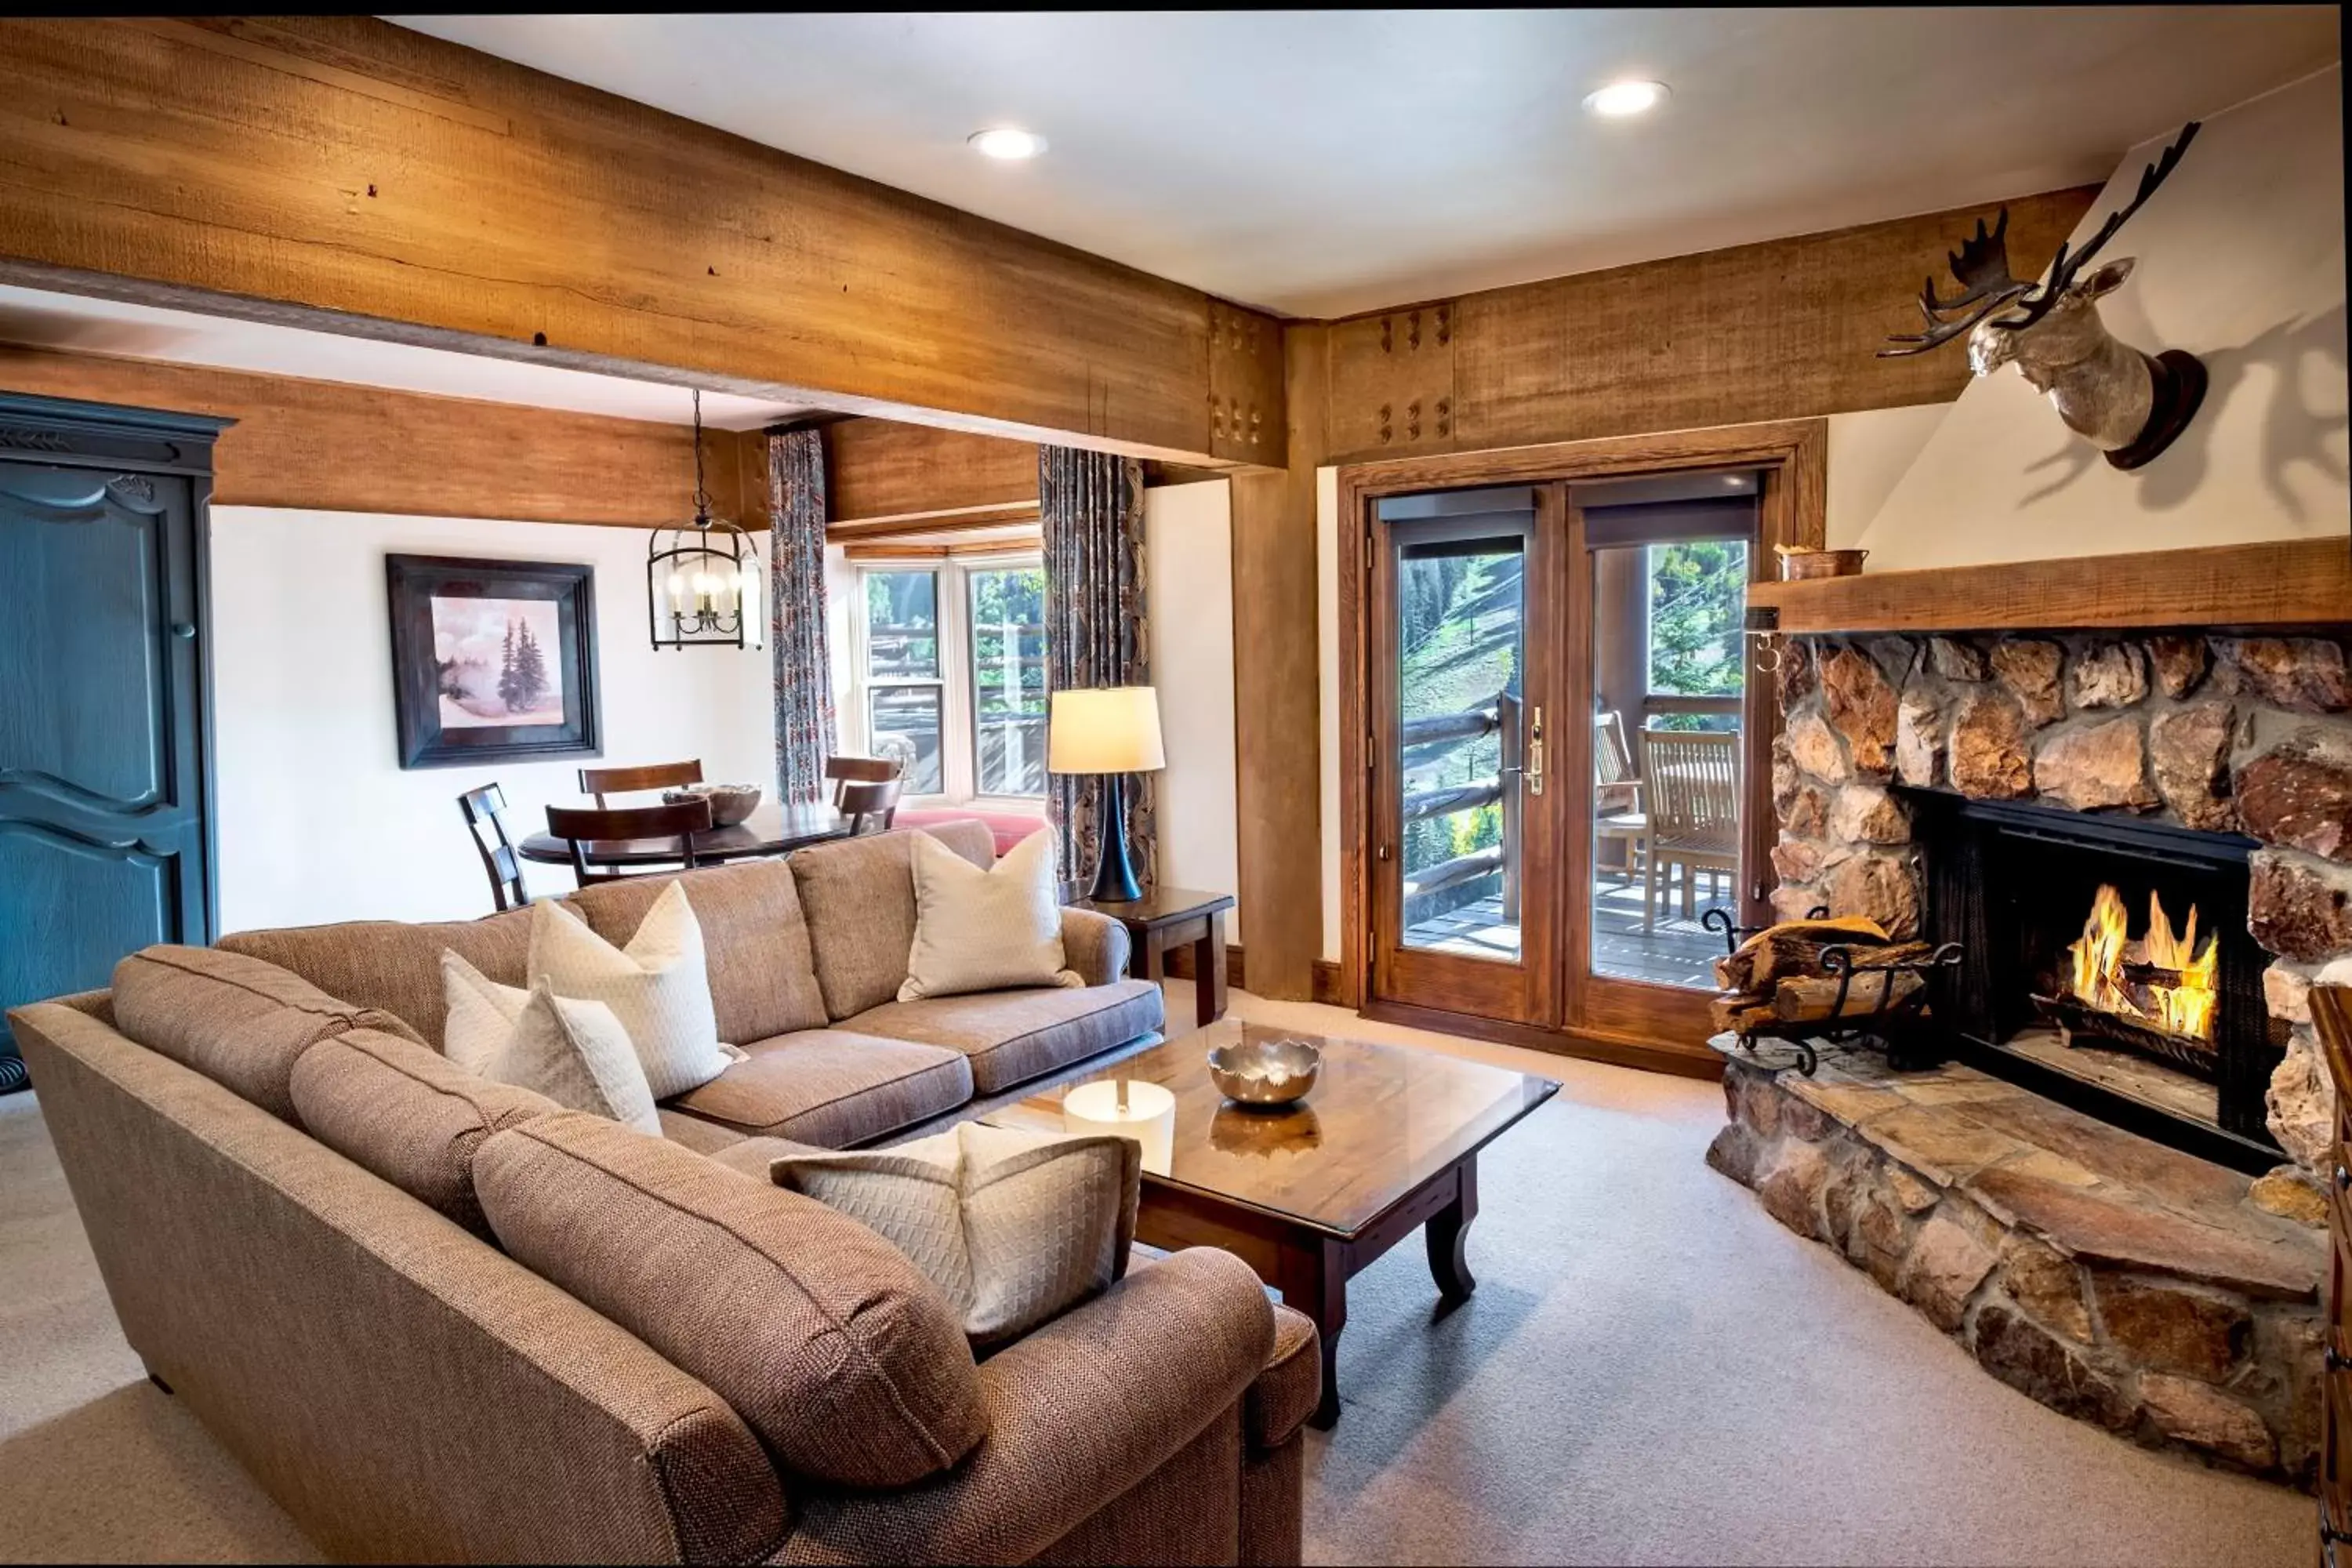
point(1982, 265)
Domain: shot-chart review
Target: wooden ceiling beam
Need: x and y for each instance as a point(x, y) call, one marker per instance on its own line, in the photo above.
point(342, 174)
point(324, 446)
point(1787, 329)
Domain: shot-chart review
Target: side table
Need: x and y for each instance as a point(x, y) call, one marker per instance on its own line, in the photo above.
point(1167, 918)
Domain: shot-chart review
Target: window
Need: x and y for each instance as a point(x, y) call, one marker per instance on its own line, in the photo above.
point(950, 670)
point(1697, 593)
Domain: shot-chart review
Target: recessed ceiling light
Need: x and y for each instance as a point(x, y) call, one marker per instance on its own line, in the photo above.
point(1006, 141)
point(1620, 99)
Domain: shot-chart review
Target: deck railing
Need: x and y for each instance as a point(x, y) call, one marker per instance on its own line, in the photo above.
point(1499, 717)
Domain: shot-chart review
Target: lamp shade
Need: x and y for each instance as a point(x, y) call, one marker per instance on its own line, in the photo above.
point(1104, 729)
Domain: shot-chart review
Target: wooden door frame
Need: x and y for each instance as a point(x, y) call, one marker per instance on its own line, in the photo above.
point(1796, 454)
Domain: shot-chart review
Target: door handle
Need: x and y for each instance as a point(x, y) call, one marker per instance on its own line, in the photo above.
point(1535, 764)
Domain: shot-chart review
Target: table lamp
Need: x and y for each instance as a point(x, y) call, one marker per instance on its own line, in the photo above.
point(1113, 730)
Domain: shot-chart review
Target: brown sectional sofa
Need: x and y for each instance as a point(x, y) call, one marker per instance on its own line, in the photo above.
point(351, 1259)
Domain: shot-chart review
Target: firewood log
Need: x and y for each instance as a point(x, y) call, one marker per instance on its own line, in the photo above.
point(1811, 998)
point(1781, 949)
point(1737, 1012)
point(1799, 957)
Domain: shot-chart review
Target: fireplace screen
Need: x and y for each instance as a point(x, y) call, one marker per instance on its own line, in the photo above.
point(2108, 965)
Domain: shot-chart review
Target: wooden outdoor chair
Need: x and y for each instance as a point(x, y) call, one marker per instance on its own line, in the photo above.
point(866, 787)
point(601, 782)
point(582, 826)
point(1617, 812)
point(484, 811)
point(1690, 780)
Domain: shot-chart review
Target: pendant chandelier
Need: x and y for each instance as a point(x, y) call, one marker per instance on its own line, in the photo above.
point(702, 581)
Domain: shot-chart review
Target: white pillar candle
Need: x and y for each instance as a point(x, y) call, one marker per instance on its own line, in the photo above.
point(1128, 1108)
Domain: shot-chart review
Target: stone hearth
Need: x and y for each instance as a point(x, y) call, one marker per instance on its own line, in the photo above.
point(2114, 1279)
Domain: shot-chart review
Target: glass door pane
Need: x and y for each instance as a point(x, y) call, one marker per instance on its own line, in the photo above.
point(1668, 681)
point(1461, 652)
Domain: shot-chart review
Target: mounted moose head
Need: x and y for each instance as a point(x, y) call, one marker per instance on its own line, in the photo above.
point(2129, 405)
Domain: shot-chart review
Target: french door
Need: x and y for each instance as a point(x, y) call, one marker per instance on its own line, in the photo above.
point(1463, 848)
point(1566, 749)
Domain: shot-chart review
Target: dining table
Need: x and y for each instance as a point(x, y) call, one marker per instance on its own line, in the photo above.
point(772, 828)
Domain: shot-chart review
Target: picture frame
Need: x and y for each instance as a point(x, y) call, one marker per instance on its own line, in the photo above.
point(492, 660)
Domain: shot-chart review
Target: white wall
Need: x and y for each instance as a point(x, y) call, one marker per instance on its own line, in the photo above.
point(1869, 453)
point(1189, 603)
point(2240, 262)
point(318, 821)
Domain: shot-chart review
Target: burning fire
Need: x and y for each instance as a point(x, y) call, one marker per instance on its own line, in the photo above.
point(2161, 979)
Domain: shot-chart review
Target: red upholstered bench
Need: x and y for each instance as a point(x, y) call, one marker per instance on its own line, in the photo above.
point(1008, 827)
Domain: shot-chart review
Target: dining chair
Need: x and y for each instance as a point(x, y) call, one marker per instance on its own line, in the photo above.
point(845, 771)
point(580, 825)
point(1617, 812)
point(1691, 778)
point(484, 814)
point(601, 782)
point(870, 805)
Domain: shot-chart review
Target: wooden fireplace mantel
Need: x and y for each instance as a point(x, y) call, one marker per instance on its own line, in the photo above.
point(2284, 583)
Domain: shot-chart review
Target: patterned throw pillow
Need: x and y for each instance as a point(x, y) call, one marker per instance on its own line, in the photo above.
point(985, 929)
point(1016, 1228)
point(575, 1053)
point(658, 987)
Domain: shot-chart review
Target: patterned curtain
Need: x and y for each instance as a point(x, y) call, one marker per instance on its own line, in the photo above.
point(1092, 505)
point(796, 613)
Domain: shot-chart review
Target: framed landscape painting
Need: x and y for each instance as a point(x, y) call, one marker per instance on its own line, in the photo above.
point(492, 660)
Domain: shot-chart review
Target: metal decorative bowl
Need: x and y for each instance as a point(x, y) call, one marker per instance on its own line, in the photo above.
point(730, 802)
point(1265, 1072)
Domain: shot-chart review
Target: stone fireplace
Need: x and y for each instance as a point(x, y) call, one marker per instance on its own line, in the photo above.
point(2074, 1193)
point(2209, 751)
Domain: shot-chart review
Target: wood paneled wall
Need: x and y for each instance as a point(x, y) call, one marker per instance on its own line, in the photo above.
point(1786, 329)
point(300, 168)
point(325, 445)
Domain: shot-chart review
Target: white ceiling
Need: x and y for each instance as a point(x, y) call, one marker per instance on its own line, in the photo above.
point(52, 320)
point(1324, 162)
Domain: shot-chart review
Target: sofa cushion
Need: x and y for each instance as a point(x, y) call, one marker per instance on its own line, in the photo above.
point(763, 980)
point(859, 895)
point(831, 1087)
point(240, 1021)
point(693, 1133)
point(1011, 1036)
point(830, 1345)
point(403, 1111)
point(393, 964)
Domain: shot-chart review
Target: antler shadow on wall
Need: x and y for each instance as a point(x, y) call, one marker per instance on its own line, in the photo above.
point(2294, 433)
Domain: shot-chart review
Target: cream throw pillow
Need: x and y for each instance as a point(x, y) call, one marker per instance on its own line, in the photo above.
point(1016, 1228)
point(658, 987)
point(985, 931)
point(575, 1053)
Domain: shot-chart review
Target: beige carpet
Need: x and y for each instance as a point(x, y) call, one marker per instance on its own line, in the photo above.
point(1652, 1371)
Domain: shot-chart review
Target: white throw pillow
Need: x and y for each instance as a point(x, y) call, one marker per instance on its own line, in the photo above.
point(658, 987)
point(1016, 1228)
point(985, 929)
point(575, 1053)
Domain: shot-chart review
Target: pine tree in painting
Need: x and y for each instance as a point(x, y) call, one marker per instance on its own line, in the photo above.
point(530, 674)
point(506, 671)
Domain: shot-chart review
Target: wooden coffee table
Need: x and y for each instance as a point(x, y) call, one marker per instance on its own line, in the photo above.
point(1387, 1143)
